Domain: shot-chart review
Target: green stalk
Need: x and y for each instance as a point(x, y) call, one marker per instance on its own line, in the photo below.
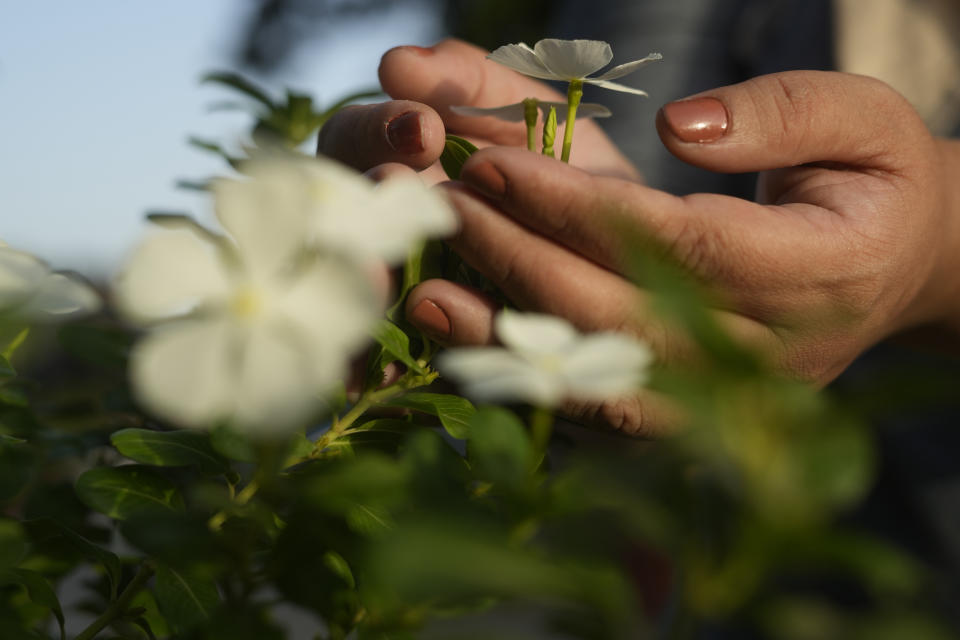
point(541, 428)
point(118, 607)
point(530, 114)
point(574, 93)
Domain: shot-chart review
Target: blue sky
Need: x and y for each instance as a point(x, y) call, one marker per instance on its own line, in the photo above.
point(99, 96)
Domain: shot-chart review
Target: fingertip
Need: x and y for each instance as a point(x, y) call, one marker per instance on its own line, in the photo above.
point(451, 314)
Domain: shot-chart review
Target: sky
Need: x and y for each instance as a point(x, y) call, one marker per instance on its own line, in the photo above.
point(98, 98)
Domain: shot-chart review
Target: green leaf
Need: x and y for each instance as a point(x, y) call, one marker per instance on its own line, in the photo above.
point(47, 528)
point(396, 343)
point(128, 491)
point(187, 600)
point(232, 445)
point(454, 412)
point(102, 346)
point(13, 543)
point(455, 154)
point(170, 449)
point(499, 448)
point(411, 278)
point(13, 397)
point(38, 590)
point(6, 369)
point(339, 566)
point(17, 466)
point(241, 84)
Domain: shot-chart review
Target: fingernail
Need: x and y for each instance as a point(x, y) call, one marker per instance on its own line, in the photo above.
point(405, 133)
point(420, 51)
point(485, 178)
point(431, 319)
point(696, 120)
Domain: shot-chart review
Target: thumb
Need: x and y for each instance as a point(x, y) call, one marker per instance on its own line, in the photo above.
point(792, 118)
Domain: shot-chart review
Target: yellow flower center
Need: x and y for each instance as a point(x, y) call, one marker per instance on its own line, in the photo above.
point(247, 302)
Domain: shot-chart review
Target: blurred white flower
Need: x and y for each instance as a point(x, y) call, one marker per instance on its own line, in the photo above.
point(568, 60)
point(30, 291)
point(252, 330)
point(515, 112)
point(545, 360)
point(345, 212)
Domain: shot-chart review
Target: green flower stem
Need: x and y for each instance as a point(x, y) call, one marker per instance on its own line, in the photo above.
point(541, 428)
point(15, 343)
point(410, 380)
point(530, 114)
point(574, 93)
point(118, 607)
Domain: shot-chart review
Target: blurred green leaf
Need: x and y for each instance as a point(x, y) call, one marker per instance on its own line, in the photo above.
point(97, 345)
point(6, 369)
point(170, 449)
point(46, 528)
point(455, 153)
point(232, 444)
point(18, 463)
point(186, 600)
point(39, 591)
point(396, 343)
point(239, 83)
point(454, 412)
point(13, 543)
point(128, 491)
point(499, 448)
point(13, 397)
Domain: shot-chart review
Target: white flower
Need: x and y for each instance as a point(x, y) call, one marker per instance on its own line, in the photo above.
point(30, 291)
point(515, 112)
point(545, 360)
point(250, 329)
point(343, 211)
point(569, 60)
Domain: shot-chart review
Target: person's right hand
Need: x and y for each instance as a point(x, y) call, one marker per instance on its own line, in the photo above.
point(425, 83)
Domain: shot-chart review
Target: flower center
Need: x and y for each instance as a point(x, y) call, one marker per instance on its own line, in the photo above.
point(247, 302)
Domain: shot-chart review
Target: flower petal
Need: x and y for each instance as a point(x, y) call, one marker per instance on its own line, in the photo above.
point(605, 365)
point(585, 110)
point(170, 274)
point(186, 371)
point(522, 58)
point(61, 296)
point(401, 213)
point(495, 374)
point(573, 59)
point(628, 67)
point(265, 214)
point(613, 86)
point(21, 274)
point(510, 113)
point(332, 307)
point(275, 390)
point(534, 333)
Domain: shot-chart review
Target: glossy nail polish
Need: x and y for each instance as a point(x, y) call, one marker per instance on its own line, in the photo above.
point(696, 120)
point(405, 133)
point(431, 319)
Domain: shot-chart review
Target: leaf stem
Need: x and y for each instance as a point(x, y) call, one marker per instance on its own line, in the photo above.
point(118, 607)
point(574, 93)
point(530, 115)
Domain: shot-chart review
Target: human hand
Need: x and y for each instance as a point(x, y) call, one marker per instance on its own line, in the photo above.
point(853, 236)
point(425, 83)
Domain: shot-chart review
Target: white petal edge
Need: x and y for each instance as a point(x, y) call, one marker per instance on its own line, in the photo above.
point(186, 371)
point(573, 59)
point(613, 86)
point(607, 365)
point(20, 275)
point(169, 274)
point(534, 333)
point(489, 374)
point(628, 67)
point(522, 58)
point(59, 297)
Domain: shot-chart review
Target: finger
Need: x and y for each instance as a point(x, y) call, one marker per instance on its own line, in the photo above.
point(363, 136)
point(388, 171)
point(452, 314)
point(454, 73)
point(792, 118)
point(715, 237)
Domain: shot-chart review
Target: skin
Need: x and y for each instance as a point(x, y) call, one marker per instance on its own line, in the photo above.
point(853, 236)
